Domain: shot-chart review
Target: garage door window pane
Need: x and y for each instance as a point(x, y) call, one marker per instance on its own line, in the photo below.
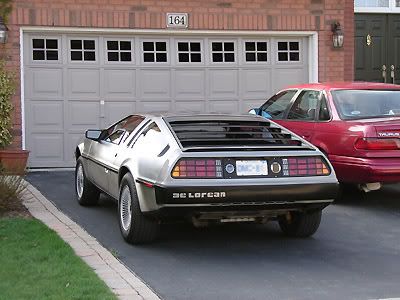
point(112, 56)
point(51, 44)
point(119, 51)
point(88, 44)
point(149, 57)
point(282, 46)
point(217, 57)
point(38, 54)
point(38, 43)
point(155, 52)
point(250, 46)
point(51, 55)
point(183, 57)
point(89, 56)
point(183, 47)
point(189, 52)
point(76, 44)
point(148, 46)
point(45, 49)
point(283, 56)
point(229, 57)
point(195, 57)
point(161, 46)
point(76, 55)
point(223, 51)
point(126, 56)
point(112, 45)
point(125, 45)
point(289, 51)
point(161, 57)
point(256, 51)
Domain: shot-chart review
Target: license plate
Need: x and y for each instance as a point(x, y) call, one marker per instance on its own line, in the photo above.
point(251, 167)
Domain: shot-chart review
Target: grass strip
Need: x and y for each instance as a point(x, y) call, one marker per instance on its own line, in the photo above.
point(36, 264)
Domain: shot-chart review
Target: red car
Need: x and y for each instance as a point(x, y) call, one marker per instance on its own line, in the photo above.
point(356, 124)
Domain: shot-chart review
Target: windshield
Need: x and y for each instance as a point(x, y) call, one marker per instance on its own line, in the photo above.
point(361, 104)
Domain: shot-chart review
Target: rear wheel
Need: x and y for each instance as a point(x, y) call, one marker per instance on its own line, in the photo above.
point(86, 192)
point(301, 224)
point(135, 227)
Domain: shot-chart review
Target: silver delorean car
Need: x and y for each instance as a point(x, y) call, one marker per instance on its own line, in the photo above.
point(206, 169)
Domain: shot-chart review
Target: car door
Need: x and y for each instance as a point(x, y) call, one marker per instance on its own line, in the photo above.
point(302, 114)
point(133, 128)
point(102, 154)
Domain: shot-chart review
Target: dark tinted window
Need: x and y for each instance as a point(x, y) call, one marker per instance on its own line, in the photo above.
point(305, 106)
point(128, 125)
point(276, 106)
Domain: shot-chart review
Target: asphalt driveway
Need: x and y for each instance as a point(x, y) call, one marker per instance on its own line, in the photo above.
point(354, 255)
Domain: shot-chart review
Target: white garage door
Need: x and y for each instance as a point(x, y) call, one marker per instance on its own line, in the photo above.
point(74, 82)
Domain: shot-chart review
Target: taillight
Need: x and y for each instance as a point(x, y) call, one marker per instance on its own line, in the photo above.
point(304, 166)
point(198, 168)
point(377, 144)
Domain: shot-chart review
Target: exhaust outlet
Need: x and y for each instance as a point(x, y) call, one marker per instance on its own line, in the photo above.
point(372, 186)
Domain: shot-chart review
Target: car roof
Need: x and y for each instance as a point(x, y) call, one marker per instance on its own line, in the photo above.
point(355, 85)
point(172, 117)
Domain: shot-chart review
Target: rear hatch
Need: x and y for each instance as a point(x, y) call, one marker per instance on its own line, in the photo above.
point(229, 145)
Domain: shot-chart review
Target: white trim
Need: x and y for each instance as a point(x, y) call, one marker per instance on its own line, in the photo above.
point(313, 63)
point(164, 31)
point(22, 85)
point(377, 10)
point(392, 8)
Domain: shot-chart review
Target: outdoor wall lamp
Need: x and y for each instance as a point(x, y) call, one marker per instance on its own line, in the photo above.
point(337, 35)
point(3, 31)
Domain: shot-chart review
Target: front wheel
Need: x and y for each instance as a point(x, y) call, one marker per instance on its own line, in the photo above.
point(135, 227)
point(301, 224)
point(87, 193)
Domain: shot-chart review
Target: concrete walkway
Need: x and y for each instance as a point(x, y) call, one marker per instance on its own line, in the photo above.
point(122, 281)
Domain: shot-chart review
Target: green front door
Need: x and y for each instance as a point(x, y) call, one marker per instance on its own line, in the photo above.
point(377, 47)
point(394, 48)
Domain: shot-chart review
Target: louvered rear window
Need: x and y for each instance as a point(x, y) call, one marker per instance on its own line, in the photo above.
point(232, 133)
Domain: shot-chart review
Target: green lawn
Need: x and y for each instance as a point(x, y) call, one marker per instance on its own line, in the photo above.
point(36, 264)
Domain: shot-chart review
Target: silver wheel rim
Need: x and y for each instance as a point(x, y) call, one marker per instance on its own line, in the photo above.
point(79, 181)
point(125, 211)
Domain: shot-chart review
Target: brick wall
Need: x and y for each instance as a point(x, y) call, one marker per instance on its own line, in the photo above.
point(287, 15)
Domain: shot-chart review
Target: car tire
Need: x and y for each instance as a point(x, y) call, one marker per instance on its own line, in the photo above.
point(86, 192)
point(302, 224)
point(135, 227)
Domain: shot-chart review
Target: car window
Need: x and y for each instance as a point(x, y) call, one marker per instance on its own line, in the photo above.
point(305, 106)
point(116, 137)
point(359, 104)
point(150, 140)
point(323, 114)
point(276, 106)
point(128, 125)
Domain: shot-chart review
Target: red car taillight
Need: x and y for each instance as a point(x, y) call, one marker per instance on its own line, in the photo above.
point(377, 144)
point(304, 166)
point(198, 168)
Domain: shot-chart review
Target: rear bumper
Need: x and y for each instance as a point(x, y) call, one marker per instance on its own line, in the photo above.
point(364, 170)
point(245, 195)
point(258, 200)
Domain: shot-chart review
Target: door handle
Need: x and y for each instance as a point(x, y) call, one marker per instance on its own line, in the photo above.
point(392, 68)
point(384, 73)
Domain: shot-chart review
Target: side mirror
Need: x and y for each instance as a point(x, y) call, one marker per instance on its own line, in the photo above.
point(255, 111)
point(93, 134)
